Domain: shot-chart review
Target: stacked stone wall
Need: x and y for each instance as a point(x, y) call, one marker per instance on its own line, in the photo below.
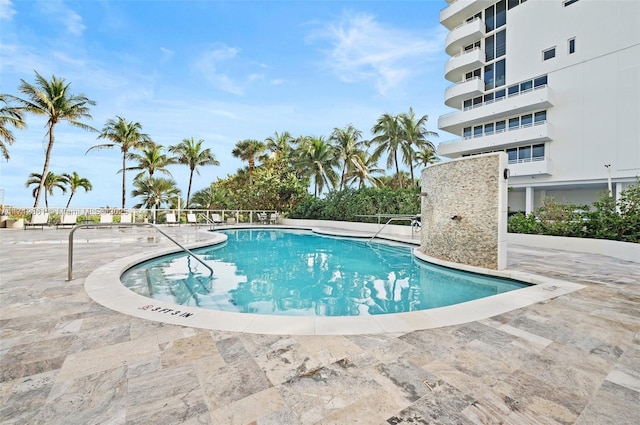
point(464, 211)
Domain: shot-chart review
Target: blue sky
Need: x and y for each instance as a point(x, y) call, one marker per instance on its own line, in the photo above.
point(222, 71)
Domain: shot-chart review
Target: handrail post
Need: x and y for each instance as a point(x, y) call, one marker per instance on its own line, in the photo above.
point(80, 226)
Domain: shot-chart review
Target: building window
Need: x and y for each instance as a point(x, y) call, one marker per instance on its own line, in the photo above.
point(572, 46)
point(488, 129)
point(540, 117)
point(569, 2)
point(540, 81)
point(466, 133)
point(549, 53)
point(538, 152)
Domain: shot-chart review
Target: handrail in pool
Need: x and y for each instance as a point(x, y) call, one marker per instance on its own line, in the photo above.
point(80, 226)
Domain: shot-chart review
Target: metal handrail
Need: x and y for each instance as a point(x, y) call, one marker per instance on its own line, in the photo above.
point(412, 217)
point(80, 226)
point(211, 223)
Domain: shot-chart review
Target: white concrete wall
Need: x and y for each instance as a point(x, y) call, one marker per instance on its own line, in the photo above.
point(596, 90)
point(390, 229)
point(622, 250)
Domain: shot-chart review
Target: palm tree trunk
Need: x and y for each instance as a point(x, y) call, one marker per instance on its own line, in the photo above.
point(124, 178)
point(395, 158)
point(251, 165)
point(45, 169)
point(69, 201)
point(189, 188)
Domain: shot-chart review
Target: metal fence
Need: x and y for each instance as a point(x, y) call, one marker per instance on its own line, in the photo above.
point(87, 215)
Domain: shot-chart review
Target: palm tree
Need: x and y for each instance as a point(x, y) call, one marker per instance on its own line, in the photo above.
point(75, 182)
point(388, 138)
point(362, 172)
point(318, 158)
point(210, 198)
point(151, 159)
point(190, 153)
point(127, 135)
point(426, 156)
point(155, 191)
point(249, 150)
point(414, 136)
point(347, 148)
point(280, 145)
point(50, 182)
point(52, 99)
point(9, 115)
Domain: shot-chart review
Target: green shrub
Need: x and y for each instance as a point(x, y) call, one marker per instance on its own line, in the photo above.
point(521, 223)
point(351, 204)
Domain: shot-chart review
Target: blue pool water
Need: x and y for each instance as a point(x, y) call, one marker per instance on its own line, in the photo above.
point(296, 272)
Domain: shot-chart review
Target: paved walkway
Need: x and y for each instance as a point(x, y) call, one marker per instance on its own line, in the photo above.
point(67, 360)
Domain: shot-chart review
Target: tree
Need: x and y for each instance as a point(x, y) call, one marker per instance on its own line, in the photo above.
point(281, 146)
point(190, 153)
point(249, 150)
point(149, 160)
point(53, 100)
point(362, 172)
point(155, 191)
point(426, 156)
point(210, 198)
point(75, 182)
point(348, 149)
point(388, 137)
point(50, 182)
point(127, 135)
point(414, 137)
point(9, 115)
point(318, 158)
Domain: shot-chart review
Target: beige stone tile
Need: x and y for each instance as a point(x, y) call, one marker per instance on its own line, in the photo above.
point(108, 357)
point(250, 409)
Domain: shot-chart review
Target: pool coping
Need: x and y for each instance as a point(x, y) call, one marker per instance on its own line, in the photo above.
point(104, 287)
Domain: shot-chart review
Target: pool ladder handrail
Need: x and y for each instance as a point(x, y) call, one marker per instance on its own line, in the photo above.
point(80, 226)
point(211, 223)
point(412, 217)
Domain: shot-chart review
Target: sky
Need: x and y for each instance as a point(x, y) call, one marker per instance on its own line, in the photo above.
point(221, 71)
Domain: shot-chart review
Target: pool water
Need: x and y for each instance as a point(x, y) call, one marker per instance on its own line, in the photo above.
point(299, 273)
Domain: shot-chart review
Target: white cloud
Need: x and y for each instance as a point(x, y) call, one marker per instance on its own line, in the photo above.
point(70, 19)
point(222, 56)
point(6, 10)
point(167, 54)
point(363, 49)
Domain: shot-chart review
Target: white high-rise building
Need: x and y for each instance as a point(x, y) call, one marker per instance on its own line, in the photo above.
point(555, 84)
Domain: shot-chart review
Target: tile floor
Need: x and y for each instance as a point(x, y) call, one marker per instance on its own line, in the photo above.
point(64, 359)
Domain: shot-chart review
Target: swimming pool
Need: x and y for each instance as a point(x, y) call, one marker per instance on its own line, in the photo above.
point(298, 273)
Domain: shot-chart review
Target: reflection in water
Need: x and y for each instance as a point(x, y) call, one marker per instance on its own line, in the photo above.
point(297, 273)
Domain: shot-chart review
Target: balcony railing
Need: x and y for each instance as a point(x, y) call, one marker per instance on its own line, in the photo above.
point(466, 80)
point(492, 133)
point(489, 102)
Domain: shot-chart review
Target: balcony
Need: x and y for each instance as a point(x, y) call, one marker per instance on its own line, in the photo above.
point(527, 134)
point(459, 11)
point(456, 93)
point(531, 168)
point(459, 65)
point(464, 35)
point(515, 104)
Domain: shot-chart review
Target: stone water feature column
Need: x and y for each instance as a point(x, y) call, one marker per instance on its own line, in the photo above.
point(464, 211)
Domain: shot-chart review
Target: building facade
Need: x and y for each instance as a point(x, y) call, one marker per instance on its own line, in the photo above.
point(553, 83)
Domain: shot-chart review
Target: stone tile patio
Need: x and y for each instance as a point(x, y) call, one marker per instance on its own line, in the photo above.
point(64, 359)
